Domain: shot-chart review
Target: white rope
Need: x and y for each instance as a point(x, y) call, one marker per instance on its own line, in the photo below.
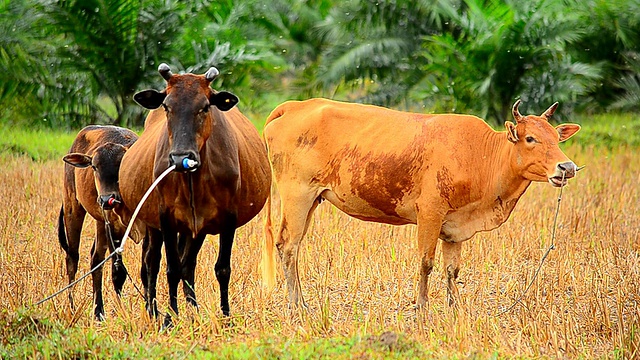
point(142, 201)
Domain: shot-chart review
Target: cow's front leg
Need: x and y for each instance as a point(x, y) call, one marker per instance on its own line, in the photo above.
point(451, 258)
point(118, 269)
point(189, 248)
point(428, 230)
point(223, 264)
point(174, 269)
point(98, 251)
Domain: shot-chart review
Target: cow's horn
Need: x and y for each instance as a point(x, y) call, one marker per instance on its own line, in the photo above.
point(516, 112)
point(212, 74)
point(550, 110)
point(165, 71)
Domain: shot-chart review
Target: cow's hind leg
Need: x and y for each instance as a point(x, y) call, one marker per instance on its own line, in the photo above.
point(223, 264)
point(189, 249)
point(451, 258)
point(69, 228)
point(98, 251)
point(297, 210)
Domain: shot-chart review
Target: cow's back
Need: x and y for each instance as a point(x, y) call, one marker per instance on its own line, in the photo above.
point(369, 161)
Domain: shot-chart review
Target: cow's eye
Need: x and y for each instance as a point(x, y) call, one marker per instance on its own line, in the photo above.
point(205, 109)
point(530, 139)
point(94, 168)
point(165, 107)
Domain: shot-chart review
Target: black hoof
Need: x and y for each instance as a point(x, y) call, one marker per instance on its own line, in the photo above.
point(152, 310)
point(192, 301)
point(167, 324)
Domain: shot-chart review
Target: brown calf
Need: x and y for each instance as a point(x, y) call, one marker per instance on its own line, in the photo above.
point(221, 181)
point(452, 175)
point(94, 191)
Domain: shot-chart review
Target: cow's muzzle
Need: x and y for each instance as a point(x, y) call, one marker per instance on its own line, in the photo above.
point(564, 172)
point(185, 162)
point(108, 202)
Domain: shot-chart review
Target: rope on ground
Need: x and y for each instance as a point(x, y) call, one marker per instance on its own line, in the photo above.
point(77, 281)
point(551, 247)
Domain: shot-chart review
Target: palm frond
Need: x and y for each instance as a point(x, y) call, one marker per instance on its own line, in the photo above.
point(369, 55)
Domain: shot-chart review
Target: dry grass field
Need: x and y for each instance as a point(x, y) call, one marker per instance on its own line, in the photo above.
point(360, 280)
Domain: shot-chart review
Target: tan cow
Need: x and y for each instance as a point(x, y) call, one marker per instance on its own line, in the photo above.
point(221, 181)
point(452, 175)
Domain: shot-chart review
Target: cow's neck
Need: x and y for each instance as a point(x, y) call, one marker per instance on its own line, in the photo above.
point(506, 186)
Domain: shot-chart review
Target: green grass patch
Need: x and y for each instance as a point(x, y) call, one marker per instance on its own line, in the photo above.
point(24, 335)
point(38, 144)
point(608, 130)
point(603, 130)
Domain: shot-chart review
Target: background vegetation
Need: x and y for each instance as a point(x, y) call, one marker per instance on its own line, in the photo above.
point(68, 63)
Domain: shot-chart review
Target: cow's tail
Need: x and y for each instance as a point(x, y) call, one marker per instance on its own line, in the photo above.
point(62, 233)
point(268, 263)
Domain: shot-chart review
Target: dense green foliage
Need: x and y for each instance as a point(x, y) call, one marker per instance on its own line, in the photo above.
point(67, 63)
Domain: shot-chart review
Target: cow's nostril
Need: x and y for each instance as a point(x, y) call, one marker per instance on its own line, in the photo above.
point(568, 167)
point(113, 201)
point(184, 162)
point(108, 201)
point(189, 164)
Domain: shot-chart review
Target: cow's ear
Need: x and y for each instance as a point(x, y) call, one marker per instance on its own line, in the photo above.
point(512, 132)
point(150, 99)
point(223, 100)
point(78, 160)
point(567, 130)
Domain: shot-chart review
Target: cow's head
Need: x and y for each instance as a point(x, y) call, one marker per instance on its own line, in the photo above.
point(537, 156)
point(105, 163)
point(188, 101)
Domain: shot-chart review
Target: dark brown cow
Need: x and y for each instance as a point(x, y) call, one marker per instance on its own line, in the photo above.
point(221, 181)
point(452, 175)
point(91, 185)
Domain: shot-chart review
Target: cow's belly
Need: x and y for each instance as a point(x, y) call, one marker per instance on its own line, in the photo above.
point(388, 211)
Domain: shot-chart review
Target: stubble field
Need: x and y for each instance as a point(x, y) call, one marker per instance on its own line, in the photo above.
point(359, 279)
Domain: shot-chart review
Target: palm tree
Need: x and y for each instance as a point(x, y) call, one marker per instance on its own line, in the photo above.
point(374, 46)
point(115, 43)
point(235, 37)
point(499, 52)
point(33, 88)
point(613, 39)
